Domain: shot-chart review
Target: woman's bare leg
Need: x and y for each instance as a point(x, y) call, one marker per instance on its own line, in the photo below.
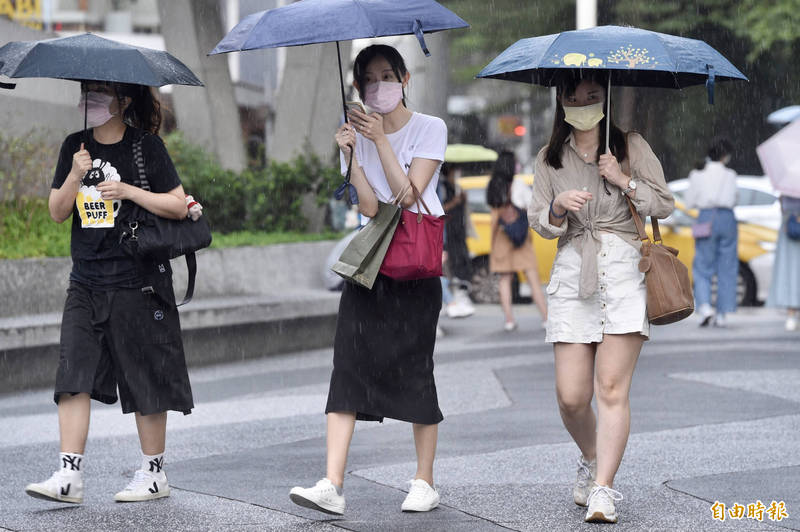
point(574, 365)
point(505, 295)
point(425, 437)
point(152, 432)
point(340, 432)
point(73, 421)
point(616, 360)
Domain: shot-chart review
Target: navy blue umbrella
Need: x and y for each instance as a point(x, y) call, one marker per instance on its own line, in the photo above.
point(89, 57)
point(320, 21)
point(632, 57)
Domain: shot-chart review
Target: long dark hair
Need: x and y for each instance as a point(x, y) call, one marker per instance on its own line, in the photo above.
point(498, 191)
point(371, 52)
point(719, 148)
point(144, 111)
point(561, 130)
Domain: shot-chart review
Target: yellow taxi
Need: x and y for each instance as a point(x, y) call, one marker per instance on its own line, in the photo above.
point(756, 248)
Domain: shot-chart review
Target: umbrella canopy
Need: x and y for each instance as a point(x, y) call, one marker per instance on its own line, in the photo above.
point(784, 115)
point(319, 21)
point(468, 153)
point(634, 57)
point(89, 57)
point(780, 160)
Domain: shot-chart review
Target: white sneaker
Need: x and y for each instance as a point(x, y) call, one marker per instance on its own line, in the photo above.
point(510, 326)
point(720, 321)
point(587, 471)
point(62, 486)
point(706, 314)
point(601, 505)
point(461, 306)
point(421, 497)
point(322, 497)
point(145, 486)
point(791, 323)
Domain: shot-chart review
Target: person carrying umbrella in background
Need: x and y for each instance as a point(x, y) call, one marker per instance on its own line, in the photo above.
point(383, 350)
point(597, 299)
point(712, 189)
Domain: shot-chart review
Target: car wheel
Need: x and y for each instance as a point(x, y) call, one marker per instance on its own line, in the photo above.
point(745, 287)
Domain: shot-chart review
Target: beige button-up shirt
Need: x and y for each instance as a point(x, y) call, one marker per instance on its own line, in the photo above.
point(604, 213)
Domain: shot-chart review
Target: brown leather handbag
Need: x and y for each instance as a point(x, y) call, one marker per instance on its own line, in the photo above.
point(669, 290)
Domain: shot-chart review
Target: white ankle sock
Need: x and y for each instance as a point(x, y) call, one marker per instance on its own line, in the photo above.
point(71, 462)
point(153, 464)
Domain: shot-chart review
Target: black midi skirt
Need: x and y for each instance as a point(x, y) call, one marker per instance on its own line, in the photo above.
point(383, 351)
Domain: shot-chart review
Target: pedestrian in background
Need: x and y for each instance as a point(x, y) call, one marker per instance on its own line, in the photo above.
point(458, 266)
point(507, 256)
point(597, 300)
point(120, 327)
point(784, 292)
point(712, 189)
point(383, 350)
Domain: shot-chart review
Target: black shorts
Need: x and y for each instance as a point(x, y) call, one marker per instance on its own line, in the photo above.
point(126, 338)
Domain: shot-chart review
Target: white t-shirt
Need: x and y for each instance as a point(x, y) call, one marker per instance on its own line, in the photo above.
point(713, 186)
point(423, 137)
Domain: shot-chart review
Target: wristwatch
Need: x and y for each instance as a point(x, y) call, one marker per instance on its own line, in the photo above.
point(630, 188)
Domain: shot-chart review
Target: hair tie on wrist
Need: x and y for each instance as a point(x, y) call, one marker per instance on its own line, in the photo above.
point(554, 212)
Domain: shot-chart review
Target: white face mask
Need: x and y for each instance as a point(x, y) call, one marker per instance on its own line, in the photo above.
point(584, 118)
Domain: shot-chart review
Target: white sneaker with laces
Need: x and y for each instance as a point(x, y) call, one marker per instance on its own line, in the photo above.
point(587, 471)
point(421, 497)
point(145, 486)
point(461, 306)
point(601, 505)
point(323, 497)
point(62, 486)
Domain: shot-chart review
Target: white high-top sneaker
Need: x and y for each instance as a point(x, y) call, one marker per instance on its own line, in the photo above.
point(62, 486)
point(145, 486)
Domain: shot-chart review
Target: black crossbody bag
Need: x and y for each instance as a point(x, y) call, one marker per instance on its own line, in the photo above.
point(150, 238)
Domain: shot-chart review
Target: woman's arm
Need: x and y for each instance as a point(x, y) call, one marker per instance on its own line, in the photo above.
point(62, 199)
point(170, 204)
point(653, 197)
point(367, 200)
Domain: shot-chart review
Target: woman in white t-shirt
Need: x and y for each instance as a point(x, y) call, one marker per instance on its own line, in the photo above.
point(383, 351)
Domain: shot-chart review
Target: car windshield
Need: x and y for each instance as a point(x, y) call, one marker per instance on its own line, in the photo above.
point(476, 197)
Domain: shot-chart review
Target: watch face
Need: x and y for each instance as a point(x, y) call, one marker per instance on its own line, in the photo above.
point(632, 184)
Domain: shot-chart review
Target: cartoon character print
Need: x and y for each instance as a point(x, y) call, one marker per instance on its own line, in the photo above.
point(95, 212)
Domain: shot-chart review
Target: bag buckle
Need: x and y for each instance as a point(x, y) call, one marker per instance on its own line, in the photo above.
point(133, 226)
point(148, 290)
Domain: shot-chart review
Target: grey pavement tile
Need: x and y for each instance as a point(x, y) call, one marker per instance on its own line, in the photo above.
point(746, 487)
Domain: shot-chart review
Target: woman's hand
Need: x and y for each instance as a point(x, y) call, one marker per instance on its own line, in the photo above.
point(370, 126)
point(571, 200)
point(114, 190)
point(611, 171)
point(346, 138)
point(81, 163)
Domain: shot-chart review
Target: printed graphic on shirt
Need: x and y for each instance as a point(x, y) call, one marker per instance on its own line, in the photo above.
point(95, 212)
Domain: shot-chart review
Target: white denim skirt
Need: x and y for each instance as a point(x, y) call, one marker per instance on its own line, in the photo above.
point(619, 306)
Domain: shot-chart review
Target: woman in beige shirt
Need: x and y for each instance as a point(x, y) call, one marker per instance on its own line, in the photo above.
point(597, 319)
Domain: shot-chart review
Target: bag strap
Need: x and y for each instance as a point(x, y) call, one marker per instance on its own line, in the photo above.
point(142, 182)
point(626, 168)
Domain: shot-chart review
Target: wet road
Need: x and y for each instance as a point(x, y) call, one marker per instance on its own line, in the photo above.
point(716, 416)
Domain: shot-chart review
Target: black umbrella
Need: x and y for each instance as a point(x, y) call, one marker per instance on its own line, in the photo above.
point(92, 58)
point(89, 57)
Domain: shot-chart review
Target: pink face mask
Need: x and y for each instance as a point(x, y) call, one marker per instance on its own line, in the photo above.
point(383, 96)
point(97, 112)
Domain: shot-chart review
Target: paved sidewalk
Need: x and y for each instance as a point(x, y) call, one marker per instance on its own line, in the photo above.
point(716, 417)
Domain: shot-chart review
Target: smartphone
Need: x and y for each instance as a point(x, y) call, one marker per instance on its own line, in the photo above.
point(356, 105)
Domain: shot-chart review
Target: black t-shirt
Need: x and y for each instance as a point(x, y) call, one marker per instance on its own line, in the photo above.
point(97, 259)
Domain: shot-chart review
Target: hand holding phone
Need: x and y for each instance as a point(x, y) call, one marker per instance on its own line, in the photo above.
point(357, 106)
